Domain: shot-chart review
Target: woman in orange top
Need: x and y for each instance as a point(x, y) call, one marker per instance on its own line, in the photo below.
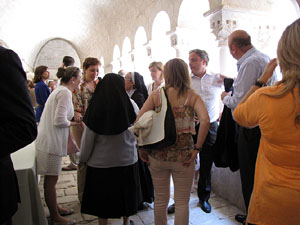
point(275, 198)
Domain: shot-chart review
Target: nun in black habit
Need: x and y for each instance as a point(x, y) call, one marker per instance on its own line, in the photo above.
point(112, 188)
point(137, 91)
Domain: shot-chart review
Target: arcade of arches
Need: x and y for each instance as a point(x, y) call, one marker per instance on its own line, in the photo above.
point(129, 34)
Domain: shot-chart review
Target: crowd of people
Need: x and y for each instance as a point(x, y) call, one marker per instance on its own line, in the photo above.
point(116, 178)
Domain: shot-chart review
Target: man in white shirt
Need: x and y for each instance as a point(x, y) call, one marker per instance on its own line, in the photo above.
point(209, 87)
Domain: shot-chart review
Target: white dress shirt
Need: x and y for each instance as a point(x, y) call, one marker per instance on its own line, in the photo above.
point(53, 129)
point(209, 87)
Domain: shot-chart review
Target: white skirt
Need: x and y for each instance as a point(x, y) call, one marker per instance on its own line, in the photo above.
point(48, 164)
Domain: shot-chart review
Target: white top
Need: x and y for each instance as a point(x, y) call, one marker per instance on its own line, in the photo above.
point(135, 106)
point(150, 87)
point(209, 87)
point(53, 129)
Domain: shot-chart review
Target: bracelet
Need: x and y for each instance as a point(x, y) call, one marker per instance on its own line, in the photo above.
point(259, 84)
point(198, 149)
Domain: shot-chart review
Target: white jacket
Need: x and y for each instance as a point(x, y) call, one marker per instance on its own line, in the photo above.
point(53, 129)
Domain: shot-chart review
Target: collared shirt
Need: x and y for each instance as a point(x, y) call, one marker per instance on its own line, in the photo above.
point(250, 67)
point(130, 93)
point(210, 90)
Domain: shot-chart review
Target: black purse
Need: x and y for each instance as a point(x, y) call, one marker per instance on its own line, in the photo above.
point(170, 134)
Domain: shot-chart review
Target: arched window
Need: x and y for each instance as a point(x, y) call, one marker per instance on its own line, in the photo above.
point(51, 55)
point(116, 59)
point(126, 59)
point(161, 44)
point(141, 59)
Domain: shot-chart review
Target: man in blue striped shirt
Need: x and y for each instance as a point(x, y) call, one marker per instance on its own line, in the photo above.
point(250, 64)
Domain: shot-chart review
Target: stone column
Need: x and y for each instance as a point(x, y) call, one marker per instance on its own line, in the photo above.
point(222, 25)
point(226, 19)
point(179, 42)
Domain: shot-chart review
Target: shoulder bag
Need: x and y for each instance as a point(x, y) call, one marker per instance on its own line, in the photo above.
point(163, 129)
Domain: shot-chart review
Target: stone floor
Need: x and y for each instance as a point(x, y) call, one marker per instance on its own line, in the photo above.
point(222, 211)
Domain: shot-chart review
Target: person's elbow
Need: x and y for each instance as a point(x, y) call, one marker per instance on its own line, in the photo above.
point(205, 121)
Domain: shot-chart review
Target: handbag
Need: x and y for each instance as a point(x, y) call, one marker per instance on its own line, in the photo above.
point(162, 132)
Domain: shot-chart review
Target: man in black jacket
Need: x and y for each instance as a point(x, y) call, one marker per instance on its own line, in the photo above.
point(17, 129)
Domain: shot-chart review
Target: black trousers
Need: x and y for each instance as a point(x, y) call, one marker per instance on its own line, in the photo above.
point(248, 143)
point(206, 161)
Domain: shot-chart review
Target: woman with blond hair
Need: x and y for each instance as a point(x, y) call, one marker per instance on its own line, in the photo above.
point(157, 74)
point(177, 160)
point(276, 192)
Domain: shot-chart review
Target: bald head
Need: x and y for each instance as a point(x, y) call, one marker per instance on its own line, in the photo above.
point(240, 38)
point(239, 42)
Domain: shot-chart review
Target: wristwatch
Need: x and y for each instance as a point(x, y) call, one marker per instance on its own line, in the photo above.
point(259, 84)
point(198, 149)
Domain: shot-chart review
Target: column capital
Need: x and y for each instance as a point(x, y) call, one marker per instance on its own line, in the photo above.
point(225, 19)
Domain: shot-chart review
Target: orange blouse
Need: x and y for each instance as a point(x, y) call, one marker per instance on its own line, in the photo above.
point(275, 198)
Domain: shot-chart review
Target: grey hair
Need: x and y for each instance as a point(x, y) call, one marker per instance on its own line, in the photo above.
point(201, 53)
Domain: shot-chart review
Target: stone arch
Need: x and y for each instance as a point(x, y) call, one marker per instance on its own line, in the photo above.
point(191, 13)
point(196, 32)
point(141, 59)
point(161, 49)
point(52, 53)
point(127, 56)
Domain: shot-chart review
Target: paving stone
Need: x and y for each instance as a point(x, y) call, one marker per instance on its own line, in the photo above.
point(66, 177)
point(218, 202)
point(228, 211)
point(88, 217)
point(64, 199)
point(60, 192)
point(71, 191)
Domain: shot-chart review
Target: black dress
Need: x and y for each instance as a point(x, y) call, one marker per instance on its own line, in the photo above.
point(139, 96)
point(111, 192)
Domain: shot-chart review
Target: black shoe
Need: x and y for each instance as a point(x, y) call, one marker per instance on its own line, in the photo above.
point(240, 218)
point(205, 206)
point(171, 209)
point(141, 206)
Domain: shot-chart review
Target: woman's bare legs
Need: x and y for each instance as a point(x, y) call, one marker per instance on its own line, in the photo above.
point(50, 198)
